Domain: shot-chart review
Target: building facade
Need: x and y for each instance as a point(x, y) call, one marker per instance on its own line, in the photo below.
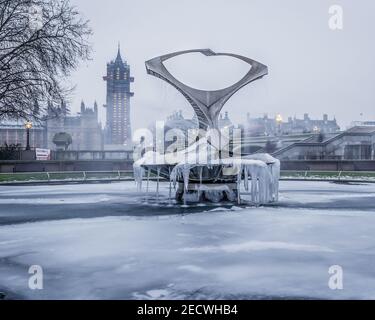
point(118, 125)
point(84, 128)
point(362, 123)
point(266, 126)
point(258, 127)
point(14, 133)
point(177, 121)
point(357, 143)
point(307, 125)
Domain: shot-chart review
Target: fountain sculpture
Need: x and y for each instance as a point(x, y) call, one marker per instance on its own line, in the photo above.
point(201, 170)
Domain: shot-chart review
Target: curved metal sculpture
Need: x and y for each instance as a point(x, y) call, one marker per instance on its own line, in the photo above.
point(206, 104)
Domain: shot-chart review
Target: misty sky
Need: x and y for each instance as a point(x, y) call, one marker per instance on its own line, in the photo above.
point(311, 68)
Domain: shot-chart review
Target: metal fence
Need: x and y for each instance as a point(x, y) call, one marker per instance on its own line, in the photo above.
point(103, 176)
point(359, 176)
point(65, 176)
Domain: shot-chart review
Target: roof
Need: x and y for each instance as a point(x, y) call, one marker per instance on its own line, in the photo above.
point(362, 129)
point(119, 61)
point(17, 124)
point(118, 58)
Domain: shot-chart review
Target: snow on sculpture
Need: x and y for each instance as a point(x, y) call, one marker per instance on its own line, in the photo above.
point(259, 173)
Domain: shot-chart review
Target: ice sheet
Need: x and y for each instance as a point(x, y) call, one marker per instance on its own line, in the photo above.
point(228, 252)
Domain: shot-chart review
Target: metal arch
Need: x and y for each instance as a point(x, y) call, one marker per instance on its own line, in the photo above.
point(206, 104)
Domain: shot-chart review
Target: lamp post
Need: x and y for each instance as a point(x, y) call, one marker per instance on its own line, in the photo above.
point(279, 121)
point(28, 126)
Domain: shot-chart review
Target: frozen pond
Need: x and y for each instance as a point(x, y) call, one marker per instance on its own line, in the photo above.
point(102, 241)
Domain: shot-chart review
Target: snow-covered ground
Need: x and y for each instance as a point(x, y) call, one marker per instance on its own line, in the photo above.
point(105, 241)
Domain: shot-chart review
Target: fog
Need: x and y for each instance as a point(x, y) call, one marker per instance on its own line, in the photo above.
point(312, 68)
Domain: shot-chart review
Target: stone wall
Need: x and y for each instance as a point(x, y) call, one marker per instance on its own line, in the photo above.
point(92, 155)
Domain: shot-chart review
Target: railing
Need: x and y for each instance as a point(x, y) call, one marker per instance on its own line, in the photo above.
point(360, 176)
point(103, 176)
point(65, 176)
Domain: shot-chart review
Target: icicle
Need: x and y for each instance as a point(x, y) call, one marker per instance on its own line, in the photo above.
point(254, 183)
point(239, 178)
point(186, 174)
point(148, 180)
point(173, 177)
point(246, 178)
point(157, 185)
point(200, 182)
point(276, 178)
point(170, 186)
point(263, 185)
point(138, 176)
point(147, 184)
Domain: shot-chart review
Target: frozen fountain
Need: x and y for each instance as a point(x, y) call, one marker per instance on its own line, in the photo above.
point(206, 170)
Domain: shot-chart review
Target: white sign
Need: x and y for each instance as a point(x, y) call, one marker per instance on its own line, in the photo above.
point(43, 154)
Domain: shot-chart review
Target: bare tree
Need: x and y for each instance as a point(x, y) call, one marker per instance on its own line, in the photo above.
point(41, 43)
